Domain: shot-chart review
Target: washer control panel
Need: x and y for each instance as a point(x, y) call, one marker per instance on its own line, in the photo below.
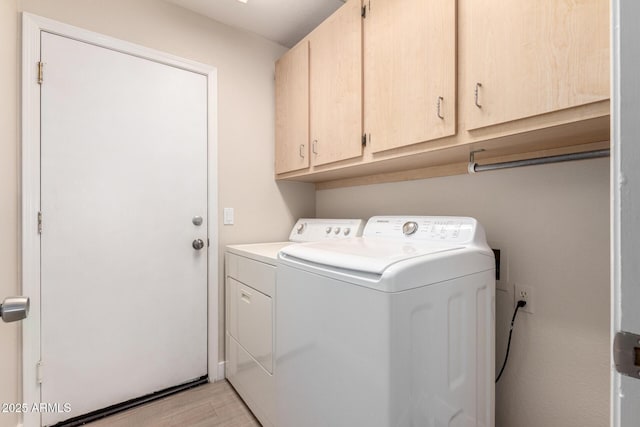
point(430, 228)
point(314, 229)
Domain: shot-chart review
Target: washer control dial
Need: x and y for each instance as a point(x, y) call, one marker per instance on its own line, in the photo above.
point(328, 230)
point(346, 231)
point(337, 230)
point(409, 228)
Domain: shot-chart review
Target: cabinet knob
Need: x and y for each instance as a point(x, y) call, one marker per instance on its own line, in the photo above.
point(314, 145)
point(440, 99)
point(301, 150)
point(478, 86)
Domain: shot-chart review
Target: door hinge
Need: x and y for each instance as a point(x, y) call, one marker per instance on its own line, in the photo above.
point(364, 11)
point(39, 222)
point(40, 72)
point(208, 242)
point(39, 372)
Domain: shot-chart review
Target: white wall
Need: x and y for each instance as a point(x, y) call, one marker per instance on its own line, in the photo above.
point(552, 224)
point(265, 210)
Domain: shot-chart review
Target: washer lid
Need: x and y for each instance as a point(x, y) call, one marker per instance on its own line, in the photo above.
point(368, 255)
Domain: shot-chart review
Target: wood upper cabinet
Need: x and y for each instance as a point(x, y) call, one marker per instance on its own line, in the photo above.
point(336, 86)
point(292, 110)
point(409, 71)
point(532, 77)
point(529, 57)
point(319, 94)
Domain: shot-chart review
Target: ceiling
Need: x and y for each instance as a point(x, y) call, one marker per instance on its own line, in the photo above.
point(283, 21)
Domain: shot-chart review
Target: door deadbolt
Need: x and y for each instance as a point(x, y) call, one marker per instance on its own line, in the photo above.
point(198, 244)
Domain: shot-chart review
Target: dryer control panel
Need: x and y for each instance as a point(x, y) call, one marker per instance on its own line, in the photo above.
point(316, 229)
point(423, 228)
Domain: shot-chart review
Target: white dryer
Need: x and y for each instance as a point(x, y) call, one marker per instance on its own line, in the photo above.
point(394, 329)
point(250, 289)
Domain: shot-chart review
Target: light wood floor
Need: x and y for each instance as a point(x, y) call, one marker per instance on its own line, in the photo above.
point(215, 404)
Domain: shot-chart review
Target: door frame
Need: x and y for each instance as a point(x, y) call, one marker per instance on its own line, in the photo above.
point(625, 209)
point(32, 26)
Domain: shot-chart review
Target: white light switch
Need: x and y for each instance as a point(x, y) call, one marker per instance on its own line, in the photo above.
point(228, 216)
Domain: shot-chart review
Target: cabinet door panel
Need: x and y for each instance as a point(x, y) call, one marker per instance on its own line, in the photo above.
point(336, 86)
point(534, 56)
point(292, 110)
point(409, 70)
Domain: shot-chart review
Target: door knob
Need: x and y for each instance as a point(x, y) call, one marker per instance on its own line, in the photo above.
point(14, 308)
point(198, 244)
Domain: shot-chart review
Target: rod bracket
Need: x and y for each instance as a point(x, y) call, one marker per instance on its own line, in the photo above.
point(472, 161)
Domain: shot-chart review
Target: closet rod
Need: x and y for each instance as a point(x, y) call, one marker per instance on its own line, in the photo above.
point(474, 167)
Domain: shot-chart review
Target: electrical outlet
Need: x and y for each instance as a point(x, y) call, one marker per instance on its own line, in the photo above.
point(525, 293)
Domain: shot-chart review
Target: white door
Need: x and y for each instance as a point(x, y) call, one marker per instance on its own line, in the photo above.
point(123, 174)
point(625, 192)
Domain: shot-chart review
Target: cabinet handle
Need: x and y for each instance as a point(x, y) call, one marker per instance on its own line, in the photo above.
point(245, 296)
point(313, 146)
point(440, 99)
point(301, 148)
point(478, 86)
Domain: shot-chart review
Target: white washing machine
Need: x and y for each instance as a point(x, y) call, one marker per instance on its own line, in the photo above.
point(250, 289)
point(394, 329)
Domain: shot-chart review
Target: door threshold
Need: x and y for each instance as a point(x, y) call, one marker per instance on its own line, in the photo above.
point(129, 404)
